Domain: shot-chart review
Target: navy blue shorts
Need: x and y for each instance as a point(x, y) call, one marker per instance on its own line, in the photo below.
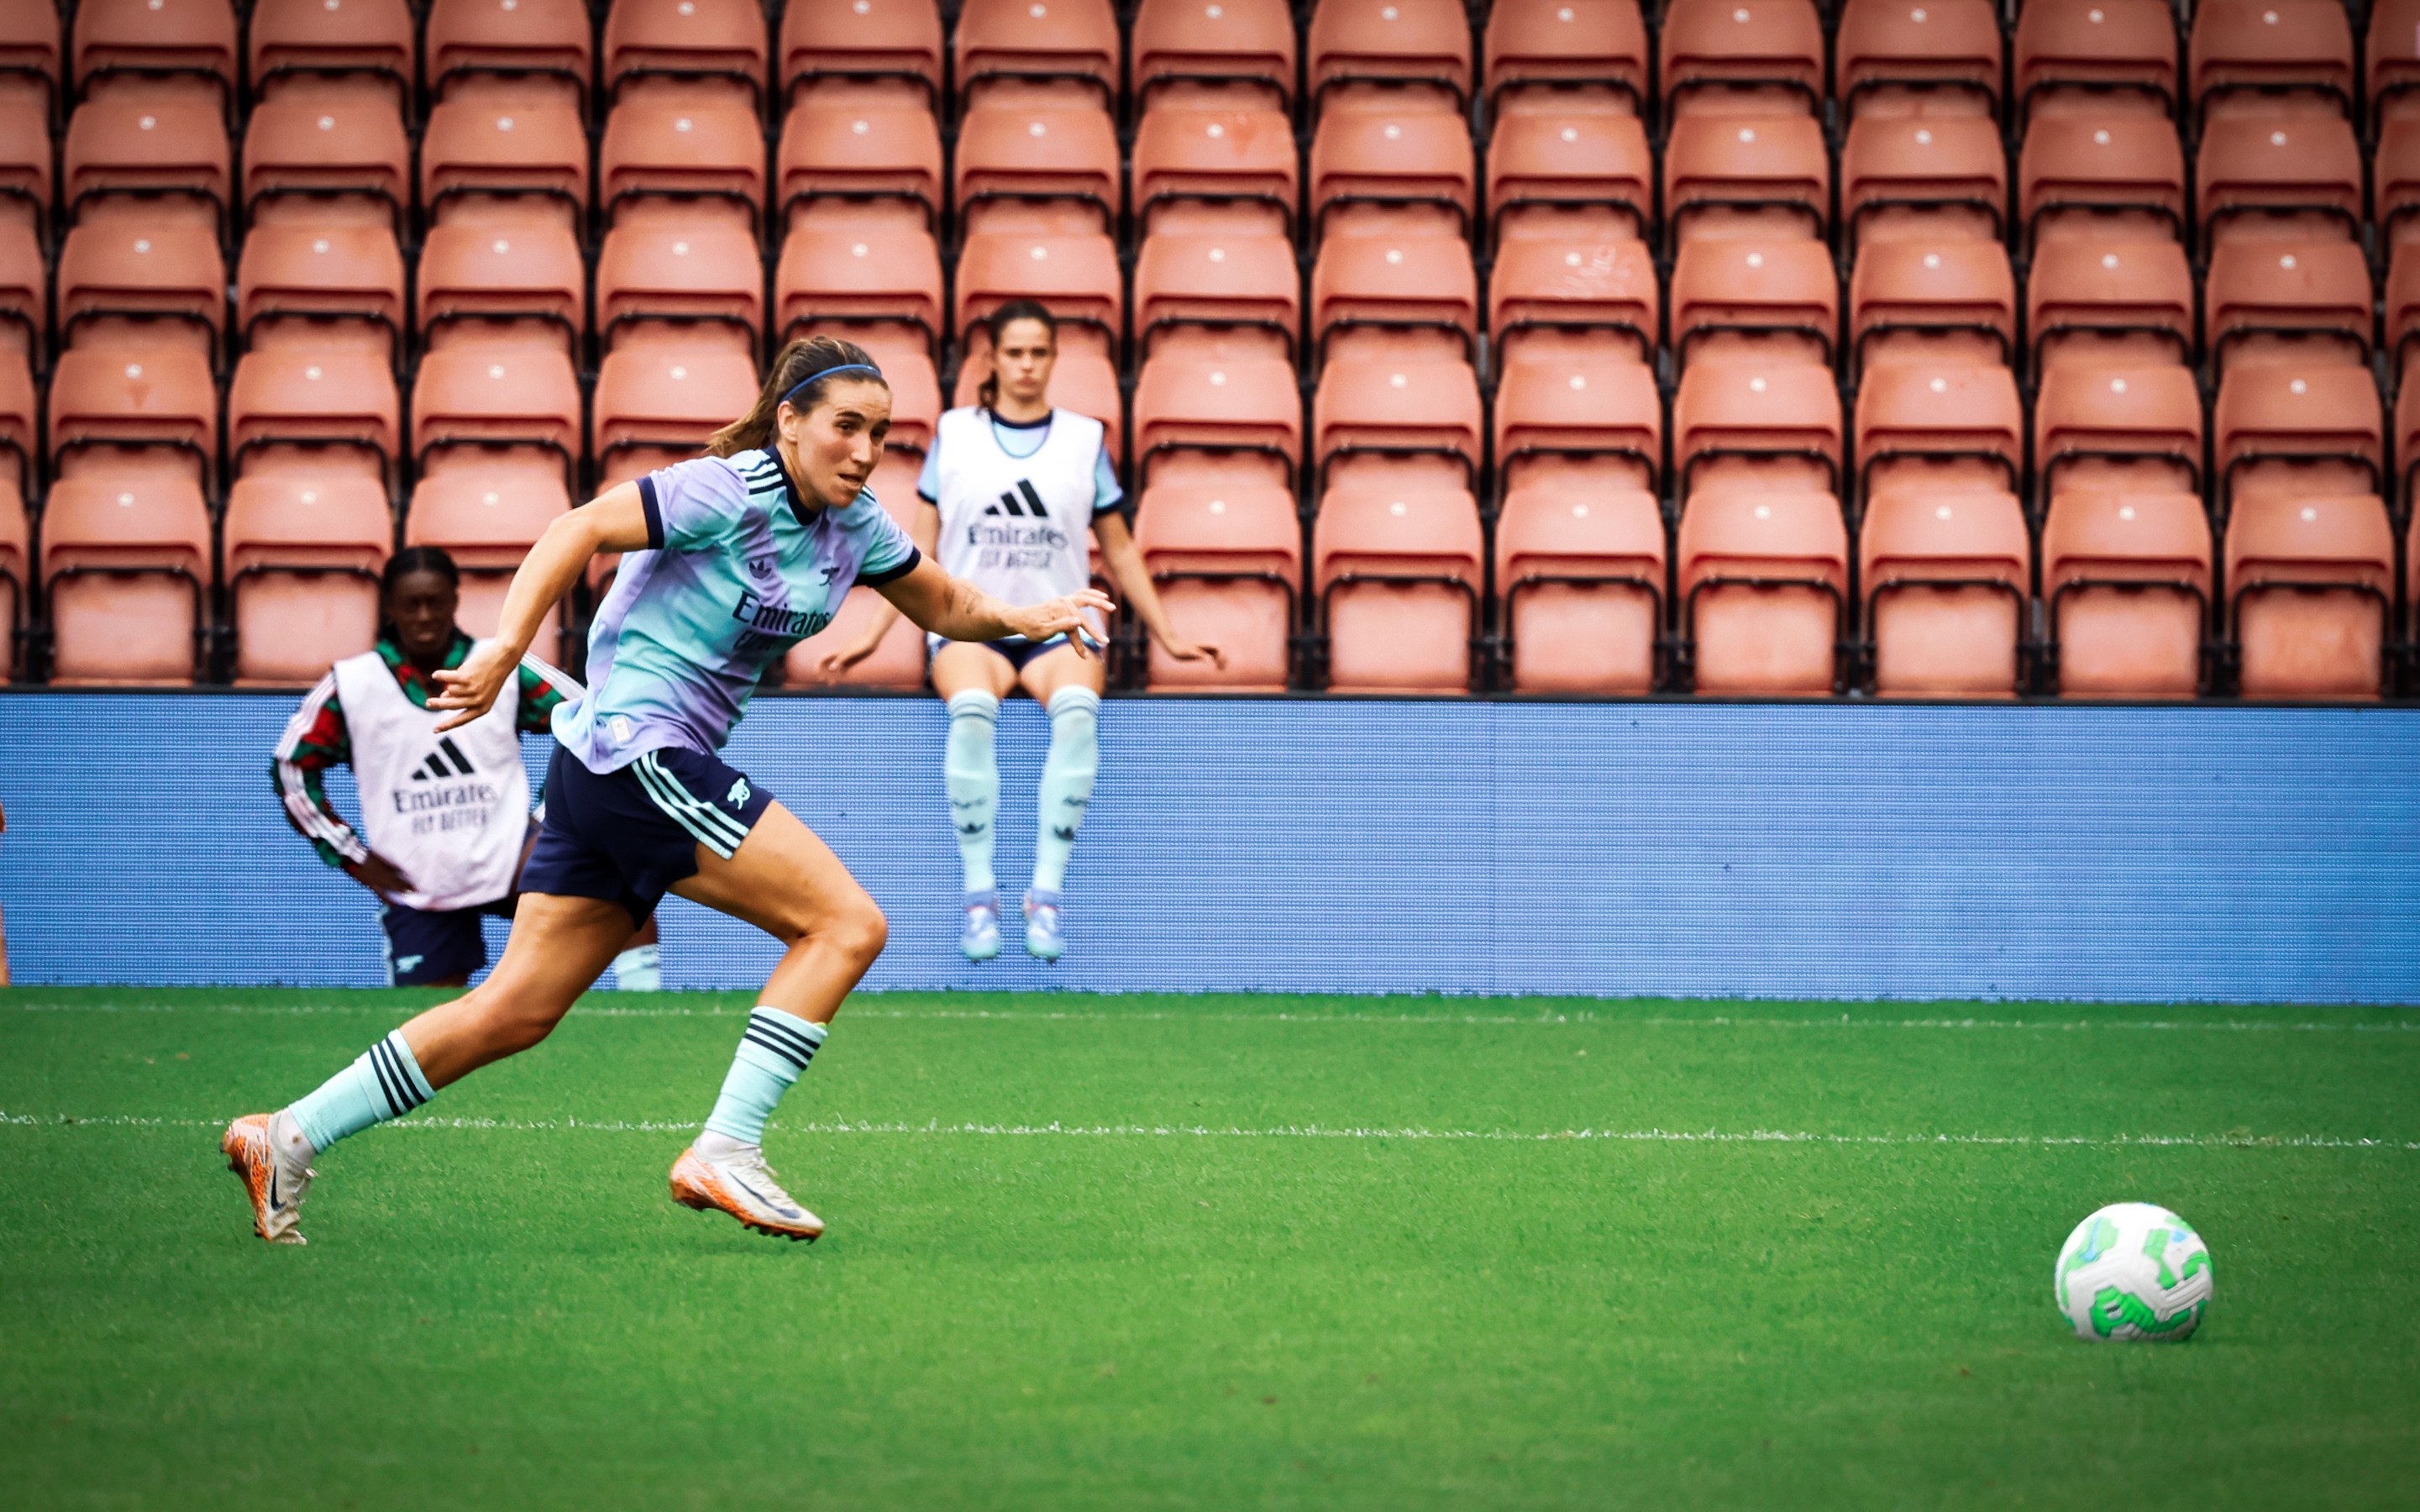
point(423, 946)
point(1016, 653)
point(627, 835)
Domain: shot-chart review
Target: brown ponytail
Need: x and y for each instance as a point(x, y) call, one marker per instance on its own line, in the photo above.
point(999, 321)
point(798, 361)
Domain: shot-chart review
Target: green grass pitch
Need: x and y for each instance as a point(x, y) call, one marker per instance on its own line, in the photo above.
point(1216, 1252)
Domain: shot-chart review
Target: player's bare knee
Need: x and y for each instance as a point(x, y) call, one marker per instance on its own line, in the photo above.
point(858, 931)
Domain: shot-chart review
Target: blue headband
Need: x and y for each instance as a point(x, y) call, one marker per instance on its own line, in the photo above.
point(826, 372)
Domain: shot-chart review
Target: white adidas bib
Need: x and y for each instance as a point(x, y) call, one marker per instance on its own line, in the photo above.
point(1018, 527)
point(449, 809)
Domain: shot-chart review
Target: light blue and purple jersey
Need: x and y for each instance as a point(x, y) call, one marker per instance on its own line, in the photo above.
point(737, 571)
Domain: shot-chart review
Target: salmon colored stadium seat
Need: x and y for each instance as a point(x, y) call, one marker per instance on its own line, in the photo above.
point(2402, 310)
point(1775, 299)
point(1180, 44)
point(854, 150)
point(303, 552)
point(706, 280)
point(1188, 402)
point(16, 573)
point(2126, 585)
point(1931, 427)
point(1540, 291)
point(2125, 429)
point(161, 399)
point(142, 158)
point(135, 45)
point(1579, 419)
point(338, 408)
point(1564, 175)
point(2297, 430)
point(877, 275)
point(854, 44)
point(679, 160)
point(1390, 54)
point(24, 292)
point(2310, 585)
point(701, 46)
point(2130, 302)
point(1554, 57)
point(1237, 284)
point(314, 160)
point(1946, 575)
point(517, 51)
point(1740, 58)
point(1953, 302)
point(486, 518)
point(1390, 162)
point(897, 663)
point(126, 572)
point(1070, 40)
point(1418, 295)
point(1923, 177)
point(25, 159)
point(351, 47)
point(2268, 301)
point(1579, 585)
point(1222, 166)
point(31, 64)
point(1077, 276)
point(2394, 193)
point(1397, 570)
point(1763, 587)
point(659, 403)
point(2296, 177)
point(1917, 57)
point(489, 162)
point(1052, 168)
point(1751, 423)
point(1226, 555)
point(1765, 178)
point(121, 287)
point(484, 399)
point(307, 286)
point(2391, 54)
point(1381, 415)
point(2257, 57)
point(483, 284)
point(20, 433)
point(2096, 57)
point(2108, 178)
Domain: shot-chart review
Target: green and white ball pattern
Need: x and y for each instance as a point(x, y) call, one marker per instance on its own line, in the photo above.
point(2134, 1271)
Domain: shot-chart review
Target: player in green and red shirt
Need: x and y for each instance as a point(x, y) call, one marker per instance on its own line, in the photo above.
point(431, 921)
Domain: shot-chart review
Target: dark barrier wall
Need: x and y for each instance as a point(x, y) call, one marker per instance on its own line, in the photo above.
point(1775, 851)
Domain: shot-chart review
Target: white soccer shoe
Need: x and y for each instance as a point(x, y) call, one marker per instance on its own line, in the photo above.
point(741, 1184)
point(274, 1183)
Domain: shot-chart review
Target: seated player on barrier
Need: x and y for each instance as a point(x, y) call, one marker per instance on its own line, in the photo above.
point(1009, 487)
point(729, 560)
point(445, 818)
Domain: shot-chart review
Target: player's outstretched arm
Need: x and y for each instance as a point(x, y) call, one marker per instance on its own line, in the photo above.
point(956, 609)
point(925, 531)
point(615, 520)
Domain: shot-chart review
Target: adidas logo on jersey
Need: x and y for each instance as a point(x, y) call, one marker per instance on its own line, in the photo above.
point(1032, 505)
point(435, 766)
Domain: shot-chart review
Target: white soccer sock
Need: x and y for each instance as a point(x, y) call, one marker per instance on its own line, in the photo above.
point(1067, 776)
point(971, 767)
point(638, 969)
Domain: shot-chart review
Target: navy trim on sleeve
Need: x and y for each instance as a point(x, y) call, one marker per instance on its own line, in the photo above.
point(898, 571)
point(655, 514)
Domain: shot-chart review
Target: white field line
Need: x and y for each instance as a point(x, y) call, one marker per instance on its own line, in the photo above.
point(935, 1128)
point(856, 1012)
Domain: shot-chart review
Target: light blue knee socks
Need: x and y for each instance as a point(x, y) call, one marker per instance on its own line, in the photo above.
point(385, 1082)
point(1067, 776)
point(773, 1053)
point(973, 770)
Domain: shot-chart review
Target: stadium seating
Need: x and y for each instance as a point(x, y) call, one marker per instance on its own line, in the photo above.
point(2310, 585)
point(1894, 58)
point(319, 161)
point(1579, 584)
point(2126, 581)
point(487, 520)
point(489, 284)
point(126, 570)
point(531, 51)
point(1944, 575)
point(121, 287)
point(16, 575)
point(138, 158)
point(133, 47)
point(1179, 45)
point(1549, 58)
point(304, 550)
point(337, 406)
point(1226, 555)
point(352, 49)
point(319, 285)
point(657, 404)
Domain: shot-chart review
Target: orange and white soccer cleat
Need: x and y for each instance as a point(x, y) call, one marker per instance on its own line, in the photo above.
point(741, 1184)
point(274, 1183)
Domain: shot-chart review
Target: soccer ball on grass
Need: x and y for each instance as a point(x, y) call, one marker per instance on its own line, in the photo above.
point(2134, 1271)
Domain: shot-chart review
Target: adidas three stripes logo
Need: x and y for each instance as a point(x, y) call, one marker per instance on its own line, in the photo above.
point(1032, 505)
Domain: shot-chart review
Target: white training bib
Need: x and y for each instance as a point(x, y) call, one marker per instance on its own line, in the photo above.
point(449, 809)
point(1018, 527)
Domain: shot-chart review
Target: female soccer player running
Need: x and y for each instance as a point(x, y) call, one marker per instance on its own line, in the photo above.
point(730, 559)
point(443, 817)
point(1008, 489)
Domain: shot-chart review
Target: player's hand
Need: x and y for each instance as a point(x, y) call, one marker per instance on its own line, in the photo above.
point(470, 689)
point(832, 664)
point(380, 875)
point(1064, 616)
point(1185, 650)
